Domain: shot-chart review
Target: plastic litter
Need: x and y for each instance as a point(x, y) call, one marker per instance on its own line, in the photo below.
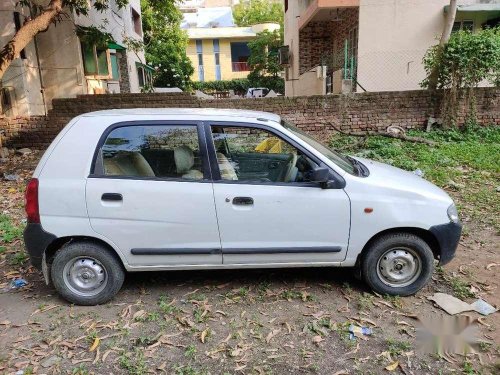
point(357, 331)
point(11, 177)
point(418, 172)
point(17, 284)
point(483, 307)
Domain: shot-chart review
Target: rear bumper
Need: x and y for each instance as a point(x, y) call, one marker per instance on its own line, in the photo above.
point(448, 236)
point(36, 241)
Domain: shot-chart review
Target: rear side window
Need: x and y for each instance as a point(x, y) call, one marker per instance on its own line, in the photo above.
point(162, 151)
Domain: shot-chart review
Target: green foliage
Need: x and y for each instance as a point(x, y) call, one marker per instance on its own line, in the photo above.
point(239, 86)
point(165, 43)
point(466, 60)
point(459, 66)
point(8, 231)
point(264, 61)
point(464, 161)
point(253, 12)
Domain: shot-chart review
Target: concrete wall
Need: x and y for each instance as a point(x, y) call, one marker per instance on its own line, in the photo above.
point(59, 58)
point(319, 115)
point(394, 36)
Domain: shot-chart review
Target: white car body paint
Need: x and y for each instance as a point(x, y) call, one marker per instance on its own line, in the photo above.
point(195, 215)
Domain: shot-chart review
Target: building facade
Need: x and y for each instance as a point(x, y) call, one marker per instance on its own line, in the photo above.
point(57, 64)
point(368, 45)
point(217, 48)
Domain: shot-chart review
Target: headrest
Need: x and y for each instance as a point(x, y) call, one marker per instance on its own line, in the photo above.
point(184, 159)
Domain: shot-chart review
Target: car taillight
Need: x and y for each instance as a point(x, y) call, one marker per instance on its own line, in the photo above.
point(31, 201)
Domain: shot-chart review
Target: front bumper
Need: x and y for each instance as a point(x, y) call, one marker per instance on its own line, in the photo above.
point(36, 241)
point(448, 236)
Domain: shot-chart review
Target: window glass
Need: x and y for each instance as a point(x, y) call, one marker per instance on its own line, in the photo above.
point(140, 76)
point(339, 159)
point(114, 67)
point(256, 155)
point(89, 63)
point(153, 151)
point(102, 61)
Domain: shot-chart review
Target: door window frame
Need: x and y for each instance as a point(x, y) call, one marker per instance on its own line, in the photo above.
point(212, 155)
point(97, 167)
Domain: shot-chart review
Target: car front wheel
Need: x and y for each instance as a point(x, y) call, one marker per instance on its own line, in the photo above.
point(86, 273)
point(398, 264)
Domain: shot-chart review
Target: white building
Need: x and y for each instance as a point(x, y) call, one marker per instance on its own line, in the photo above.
point(56, 64)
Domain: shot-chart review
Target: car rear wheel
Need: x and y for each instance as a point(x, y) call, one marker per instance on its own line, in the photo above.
point(398, 264)
point(87, 273)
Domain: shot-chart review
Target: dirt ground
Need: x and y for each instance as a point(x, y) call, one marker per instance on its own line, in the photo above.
point(292, 321)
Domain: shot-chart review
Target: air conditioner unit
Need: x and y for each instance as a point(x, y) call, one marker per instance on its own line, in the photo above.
point(284, 55)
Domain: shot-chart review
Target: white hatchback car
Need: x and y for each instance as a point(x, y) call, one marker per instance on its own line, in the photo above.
point(187, 189)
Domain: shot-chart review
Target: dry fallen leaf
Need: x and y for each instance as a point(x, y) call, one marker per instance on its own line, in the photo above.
point(271, 334)
point(491, 265)
point(95, 344)
point(393, 366)
point(203, 335)
point(317, 339)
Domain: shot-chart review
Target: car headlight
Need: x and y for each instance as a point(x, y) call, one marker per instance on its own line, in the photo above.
point(453, 213)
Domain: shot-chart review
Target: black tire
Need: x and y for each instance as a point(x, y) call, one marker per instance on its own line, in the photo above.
point(397, 241)
point(106, 261)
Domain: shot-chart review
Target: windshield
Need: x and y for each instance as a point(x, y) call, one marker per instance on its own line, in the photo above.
point(342, 161)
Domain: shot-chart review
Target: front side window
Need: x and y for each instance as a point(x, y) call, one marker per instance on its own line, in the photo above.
point(166, 151)
point(248, 154)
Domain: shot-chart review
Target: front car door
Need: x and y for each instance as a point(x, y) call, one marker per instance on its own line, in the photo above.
point(150, 194)
point(268, 209)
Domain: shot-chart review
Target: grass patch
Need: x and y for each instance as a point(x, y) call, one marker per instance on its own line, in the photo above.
point(465, 162)
point(9, 232)
point(397, 347)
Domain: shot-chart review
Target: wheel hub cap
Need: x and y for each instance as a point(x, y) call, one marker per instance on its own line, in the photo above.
point(399, 267)
point(85, 276)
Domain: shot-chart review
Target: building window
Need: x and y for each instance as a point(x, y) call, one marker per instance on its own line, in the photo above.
point(144, 75)
point(199, 53)
point(96, 61)
point(286, 5)
point(136, 21)
point(115, 70)
point(239, 56)
point(466, 25)
point(5, 100)
point(217, 60)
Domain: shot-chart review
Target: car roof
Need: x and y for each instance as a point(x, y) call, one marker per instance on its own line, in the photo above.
point(191, 112)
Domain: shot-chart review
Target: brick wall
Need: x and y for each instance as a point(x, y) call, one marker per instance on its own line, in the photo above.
point(319, 115)
point(324, 42)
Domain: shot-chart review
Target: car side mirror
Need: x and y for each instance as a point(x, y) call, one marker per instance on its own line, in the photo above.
point(320, 174)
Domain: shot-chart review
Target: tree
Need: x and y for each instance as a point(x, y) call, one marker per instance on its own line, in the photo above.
point(165, 43)
point(264, 60)
point(42, 17)
point(445, 36)
point(252, 12)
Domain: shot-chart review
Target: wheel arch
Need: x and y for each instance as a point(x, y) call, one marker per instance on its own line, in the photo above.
point(424, 234)
point(60, 242)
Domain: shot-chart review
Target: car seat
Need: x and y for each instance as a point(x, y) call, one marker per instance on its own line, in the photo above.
point(184, 161)
point(128, 164)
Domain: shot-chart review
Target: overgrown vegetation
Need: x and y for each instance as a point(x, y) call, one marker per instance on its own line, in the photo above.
point(240, 86)
point(463, 161)
point(252, 12)
point(461, 65)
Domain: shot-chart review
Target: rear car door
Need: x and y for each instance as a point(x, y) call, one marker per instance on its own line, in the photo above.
point(269, 211)
point(150, 194)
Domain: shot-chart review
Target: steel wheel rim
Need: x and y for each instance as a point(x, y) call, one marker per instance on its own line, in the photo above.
point(399, 267)
point(85, 276)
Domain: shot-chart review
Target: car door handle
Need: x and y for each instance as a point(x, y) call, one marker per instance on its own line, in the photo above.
point(243, 201)
point(112, 197)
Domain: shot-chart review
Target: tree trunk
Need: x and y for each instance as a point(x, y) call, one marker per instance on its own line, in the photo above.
point(445, 36)
point(26, 34)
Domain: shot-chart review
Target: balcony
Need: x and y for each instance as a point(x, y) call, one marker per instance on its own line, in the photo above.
point(320, 10)
point(240, 67)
